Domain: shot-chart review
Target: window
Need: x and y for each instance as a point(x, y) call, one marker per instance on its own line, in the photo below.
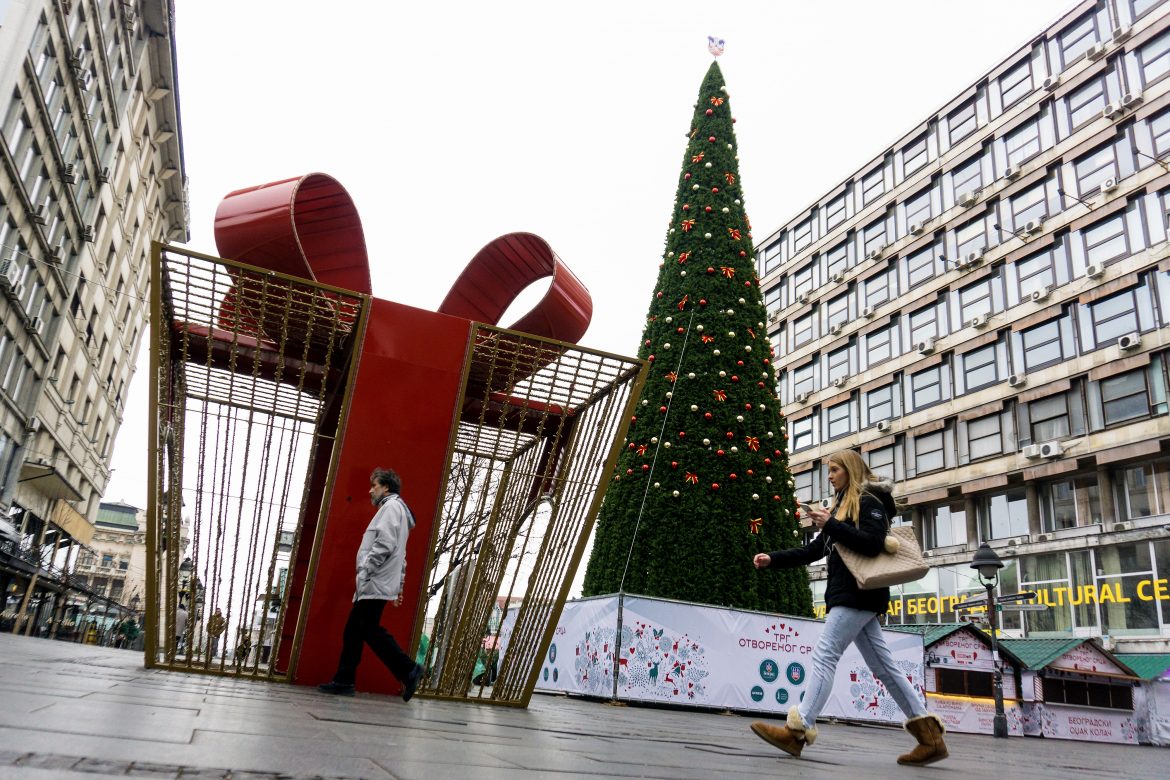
point(838, 363)
point(923, 265)
point(773, 257)
point(802, 433)
point(926, 387)
point(1016, 83)
point(918, 208)
point(979, 367)
point(1087, 103)
point(802, 330)
point(835, 212)
point(962, 121)
point(963, 682)
point(1076, 39)
point(804, 378)
point(802, 235)
point(874, 236)
point(1160, 130)
point(1095, 167)
point(1049, 418)
point(1141, 6)
point(880, 344)
point(1035, 273)
point(1125, 397)
point(879, 403)
point(1003, 515)
point(873, 186)
point(802, 280)
point(837, 259)
point(1023, 142)
point(881, 287)
point(1113, 317)
point(968, 177)
point(837, 311)
point(985, 437)
point(945, 525)
point(1058, 505)
point(972, 237)
point(802, 484)
point(1154, 59)
point(886, 462)
point(839, 420)
point(976, 299)
point(928, 452)
point(1138, 494)
point(1106, 240)
point(914, 155)
point(924, 324)
point(1042, 345)
point(1028, 205)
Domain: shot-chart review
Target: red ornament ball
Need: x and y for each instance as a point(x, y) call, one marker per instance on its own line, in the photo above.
point(707, 209)
point(777, 453)
point(710, 270)
point(686, 207)
point(759, 384)
point(710, 111)
point(734, 378)
point(711, 139)
point(748, 283)
point(714, 189)
point(662, 408)
point(680, 330)
point(647, 342)
point(706, 415)
point(730, 435)
point(767, 461)
point(634, 418)
point(702, 301)
point(629, 471)
point(751, 472)
point(714, 485)
point(739, 363)
point(720, 453)
point(658, 294)
point(748, 407)
point(766, 361)
point(682, 434)
point(674, 464)
point(632, 445)
point(645, 467)
point(651, 358)
point(687, 176)
point(732, 476)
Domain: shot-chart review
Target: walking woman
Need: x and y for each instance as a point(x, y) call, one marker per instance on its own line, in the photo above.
point(859, 519)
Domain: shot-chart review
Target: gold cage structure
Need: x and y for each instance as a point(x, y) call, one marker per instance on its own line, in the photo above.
point(245, 370)
point(541, 425)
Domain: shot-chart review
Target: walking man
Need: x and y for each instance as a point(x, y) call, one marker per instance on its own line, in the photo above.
point(381, 568)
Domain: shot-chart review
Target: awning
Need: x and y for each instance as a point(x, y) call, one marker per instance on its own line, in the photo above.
point(45, 478)
point(71, 522)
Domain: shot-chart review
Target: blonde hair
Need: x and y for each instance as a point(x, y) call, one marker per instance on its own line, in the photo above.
point(847, 504)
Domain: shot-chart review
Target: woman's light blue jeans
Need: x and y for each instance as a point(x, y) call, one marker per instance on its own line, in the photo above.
point(842, 626)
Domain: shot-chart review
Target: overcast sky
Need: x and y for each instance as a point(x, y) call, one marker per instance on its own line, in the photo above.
point(451, 123)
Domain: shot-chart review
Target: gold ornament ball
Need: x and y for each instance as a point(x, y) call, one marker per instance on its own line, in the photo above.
point(694, 407)
point(675, 494)
point(716, 353)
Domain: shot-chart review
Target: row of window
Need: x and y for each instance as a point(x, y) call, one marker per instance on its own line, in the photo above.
point(1128, 75)
point(1115, 236)
point(1072, 329)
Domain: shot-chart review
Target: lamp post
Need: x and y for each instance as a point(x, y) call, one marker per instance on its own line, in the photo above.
point(988, 564)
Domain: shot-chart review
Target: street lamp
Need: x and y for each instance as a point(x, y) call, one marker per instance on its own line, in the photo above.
point(135, 600)
point(988, 564)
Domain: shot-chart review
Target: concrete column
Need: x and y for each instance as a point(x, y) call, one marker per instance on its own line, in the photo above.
point(1105, 491)
point(1032, 495)
point(972, 522)
point(916, 523)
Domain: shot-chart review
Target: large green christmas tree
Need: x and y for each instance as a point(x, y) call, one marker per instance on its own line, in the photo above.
point(702, 484)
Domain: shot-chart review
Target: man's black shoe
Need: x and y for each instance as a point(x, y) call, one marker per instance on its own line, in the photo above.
point(336, 688)
point(412, 682)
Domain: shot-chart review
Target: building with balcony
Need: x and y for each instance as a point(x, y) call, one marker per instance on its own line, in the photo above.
point(983, 311)
point(91, 172)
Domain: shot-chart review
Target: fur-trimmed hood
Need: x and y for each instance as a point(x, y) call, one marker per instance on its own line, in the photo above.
point(879, 485)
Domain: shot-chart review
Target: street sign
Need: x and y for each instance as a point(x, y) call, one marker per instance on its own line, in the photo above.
point(1025, 596)
point(1025, 607)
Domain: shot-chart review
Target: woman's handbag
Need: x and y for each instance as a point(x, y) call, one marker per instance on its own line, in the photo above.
point(903, 565)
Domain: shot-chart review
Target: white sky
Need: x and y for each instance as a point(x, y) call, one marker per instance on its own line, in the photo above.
point(451, 123)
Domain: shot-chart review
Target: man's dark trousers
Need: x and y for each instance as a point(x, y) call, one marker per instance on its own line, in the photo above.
point(365, 625)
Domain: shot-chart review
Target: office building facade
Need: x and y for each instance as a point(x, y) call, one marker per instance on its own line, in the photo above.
point(91, 172)
point(982, 310)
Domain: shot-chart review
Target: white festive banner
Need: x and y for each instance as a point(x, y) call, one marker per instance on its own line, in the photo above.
point(1084, 724)
point(1158, 707)
point(974, 716)
point(714, 657)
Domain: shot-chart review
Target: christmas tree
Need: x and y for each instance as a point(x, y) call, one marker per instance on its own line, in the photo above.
point(702, 483)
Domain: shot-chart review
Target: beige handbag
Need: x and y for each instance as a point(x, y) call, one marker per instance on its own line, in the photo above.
point(903, 565)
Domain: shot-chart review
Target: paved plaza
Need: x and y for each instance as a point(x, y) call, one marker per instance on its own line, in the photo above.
point(73, 711)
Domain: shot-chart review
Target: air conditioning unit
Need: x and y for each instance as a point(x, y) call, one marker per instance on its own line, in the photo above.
point(883, 425)
point(835, 328)
point(87, 233)
point(1050, 449)
point(1096, 51)
point(33, 425)
point(916, 228)
point(1120, 33)
point(1051, 83)
point(875, 254)
point(1011, 172)
point(1131, 99)
point(1033, 226)
point(801, 397)
point(978, 321)
point(1017, 380)
point(968, 199)
point(1109, 185)
point(867, 312)
point(1045, 537)
point(104, 175)
point(1121, 527)
point(67, 173)
point(802, 299)
point(1111, 111)
point(840, 381)
point(1130, 341)
point(1092, 270)
point(33, 324)
point(926, 346)
point(969, 260)
point(1031, 452)
point(837, 277)
point(1040, 293)
point(9, 276)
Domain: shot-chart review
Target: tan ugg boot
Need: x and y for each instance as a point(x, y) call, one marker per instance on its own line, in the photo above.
point(928, 730)
point(790, 738)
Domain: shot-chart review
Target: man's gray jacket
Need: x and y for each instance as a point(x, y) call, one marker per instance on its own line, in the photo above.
point(381, 558)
